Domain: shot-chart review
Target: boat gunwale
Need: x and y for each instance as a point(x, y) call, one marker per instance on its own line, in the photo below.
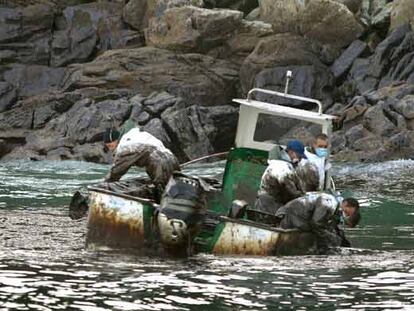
point(121, 195)
point(259, 225)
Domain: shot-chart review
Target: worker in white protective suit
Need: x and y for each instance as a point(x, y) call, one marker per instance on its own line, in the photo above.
point(140, 148)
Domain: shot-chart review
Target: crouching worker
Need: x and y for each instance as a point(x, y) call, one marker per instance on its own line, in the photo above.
point(283, 181)
point(322, 214)
point(141, 149)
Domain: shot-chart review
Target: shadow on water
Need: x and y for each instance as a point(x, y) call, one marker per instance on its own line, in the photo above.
point(44, 266)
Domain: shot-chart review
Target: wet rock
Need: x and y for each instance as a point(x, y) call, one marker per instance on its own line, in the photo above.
point(196, 78)
point(191, 29)
point(345, 61)
point(8, 96)
point(59, 154)
point(25, 34)
point(402, 13)
point(276, 51)
point(91, 152)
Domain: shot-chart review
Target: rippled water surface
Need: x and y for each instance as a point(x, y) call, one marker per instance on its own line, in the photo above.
point(44, 266)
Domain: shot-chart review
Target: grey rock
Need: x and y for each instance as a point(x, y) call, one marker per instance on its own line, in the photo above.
point(329, 22)
point(196, 78)
point(406, 107)
point(368, 144)
point(91, 152)
point(277, 51)
point(220, 125)
point(308, 81)
point(359, 75)
point(32, 80)
point(377, 122)
point(244, 40)
point(8, 96)
point(354, 133)
point(59, 154)
point(156, 128)
point(254, 15)
point(345, 61)
point(338, 142)
point(156, 103)
point(85, 122)
point(25, 34)
point(185, 128)
point(143, 118)
point(86, 27)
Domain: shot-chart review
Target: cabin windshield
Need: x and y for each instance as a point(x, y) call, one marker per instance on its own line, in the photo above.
point(279, 130)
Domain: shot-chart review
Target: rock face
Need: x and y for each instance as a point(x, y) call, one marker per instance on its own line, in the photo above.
point(195, 77)
point(392, 61)
point(25, 34)
point(71, 68)
point(87, 27)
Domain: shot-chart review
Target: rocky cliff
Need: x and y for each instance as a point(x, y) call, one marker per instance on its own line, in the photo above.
point(71, 68)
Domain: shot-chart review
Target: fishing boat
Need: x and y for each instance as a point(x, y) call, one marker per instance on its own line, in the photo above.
point(215, 222)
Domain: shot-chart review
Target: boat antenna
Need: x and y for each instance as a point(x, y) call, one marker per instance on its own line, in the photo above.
point(288, 77)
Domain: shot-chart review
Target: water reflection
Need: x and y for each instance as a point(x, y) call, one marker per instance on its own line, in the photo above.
point(112, 281)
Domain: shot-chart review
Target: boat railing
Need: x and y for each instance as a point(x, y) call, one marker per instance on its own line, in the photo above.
point(285, 95)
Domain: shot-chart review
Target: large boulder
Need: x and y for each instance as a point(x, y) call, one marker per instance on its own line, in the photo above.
point(198, 79)
point(85, 28)
point(329, 22)
point(402, 12)
point(326, 21)
point(25, 34)
point(284, 15)
point(199, 131)
point(277, 51)
point(192, 29)
point(137, 13)
point(245, 39)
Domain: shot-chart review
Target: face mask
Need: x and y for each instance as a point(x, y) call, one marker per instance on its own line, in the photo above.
point(321, 152)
